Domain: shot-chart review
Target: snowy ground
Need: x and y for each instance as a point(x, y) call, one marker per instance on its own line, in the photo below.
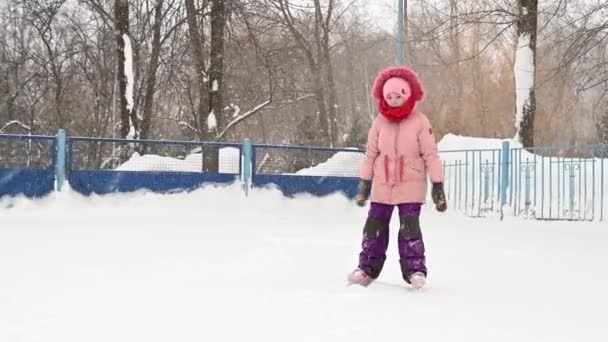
point(214, 266)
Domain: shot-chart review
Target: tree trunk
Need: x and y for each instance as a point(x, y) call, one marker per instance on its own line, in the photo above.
point(478, 84)
point(43, 15)
point(332, 101)
point(56, 72)
point(153, 67)
point(315, 70)
point(215, 85)
point(349, 69)
point(456, 117)
point(602, 127)
point(129, 124)
point(61, 122)
point(196, 43)
point(216, 67)
point(324, 59)
point(524, 70)
point(321, 116)
point(5, 87)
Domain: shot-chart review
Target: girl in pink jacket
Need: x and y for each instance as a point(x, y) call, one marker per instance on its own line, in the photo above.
point(401, 152)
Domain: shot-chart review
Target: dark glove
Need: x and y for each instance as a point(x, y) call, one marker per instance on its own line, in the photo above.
point(439, 197)
point(363, 192)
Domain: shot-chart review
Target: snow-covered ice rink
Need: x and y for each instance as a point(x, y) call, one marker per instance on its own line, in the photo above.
point(213, 265)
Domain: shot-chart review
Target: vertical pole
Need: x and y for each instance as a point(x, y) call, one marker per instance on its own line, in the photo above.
point(486, 181)
point(504, 182)
point(602, 174)
point(571, 189)
point(405, 34)
point(542, 187)
point(527, 189)
point(466, 179)
point(60, 167)
point(246, 165)
point(400, 39)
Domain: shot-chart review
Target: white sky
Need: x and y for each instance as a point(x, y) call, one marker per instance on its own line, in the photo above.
point(384, 12)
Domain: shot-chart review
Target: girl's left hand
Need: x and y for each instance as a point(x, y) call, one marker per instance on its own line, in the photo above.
point(439, 197)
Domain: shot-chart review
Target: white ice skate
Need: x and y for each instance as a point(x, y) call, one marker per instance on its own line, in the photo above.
point(359, 277)
point(418, 280)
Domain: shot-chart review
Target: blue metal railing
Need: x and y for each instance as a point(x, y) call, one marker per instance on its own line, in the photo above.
point(102, 165)
point(302, 169)
point(472, 180)
point(559, 183)
point(27, 165)
point(549, 183)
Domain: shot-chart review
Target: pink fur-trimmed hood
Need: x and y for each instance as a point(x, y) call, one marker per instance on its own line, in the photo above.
point(402, 72)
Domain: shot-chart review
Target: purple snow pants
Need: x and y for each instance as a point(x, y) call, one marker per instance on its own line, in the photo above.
point(376, 237)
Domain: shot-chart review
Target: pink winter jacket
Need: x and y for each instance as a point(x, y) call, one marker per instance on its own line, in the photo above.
point(399, 155)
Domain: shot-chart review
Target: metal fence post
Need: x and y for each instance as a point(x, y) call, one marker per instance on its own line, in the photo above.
point(60, 167)
point(486, 183)
point(527, 166)
point(504, 182)
point(247, 165)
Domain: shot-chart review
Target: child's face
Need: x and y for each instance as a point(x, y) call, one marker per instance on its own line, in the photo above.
point(395, 100)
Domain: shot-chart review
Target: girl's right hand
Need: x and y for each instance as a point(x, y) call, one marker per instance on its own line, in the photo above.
point(361, 200)
point(363, 192)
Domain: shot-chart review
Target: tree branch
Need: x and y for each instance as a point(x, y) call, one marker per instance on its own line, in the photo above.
point(15, 123)
point(291, 102)
point(243, 117)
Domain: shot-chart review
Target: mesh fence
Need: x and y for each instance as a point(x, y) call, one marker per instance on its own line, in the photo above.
point(124, 155)
point(30, 152)
point(307, 161)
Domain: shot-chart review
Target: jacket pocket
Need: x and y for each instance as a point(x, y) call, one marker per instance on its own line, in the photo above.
point(414, 169)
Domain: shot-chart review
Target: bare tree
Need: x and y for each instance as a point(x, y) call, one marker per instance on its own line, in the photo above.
point(587, 55)
point(216, 66)
point(148, 99)
point(197, 44)
point(323, 24)
point(602, 125)
point(264, 57)
point(525, 70)
point(288, 19)
point(25, 79)
point(43, 15)
point(6, 109)
point(126, 77)
point(270, 70)
point(456, 119)
point(215, 85)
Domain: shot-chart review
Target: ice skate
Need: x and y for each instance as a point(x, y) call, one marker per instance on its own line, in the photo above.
point(418, 280)
point(359, 277)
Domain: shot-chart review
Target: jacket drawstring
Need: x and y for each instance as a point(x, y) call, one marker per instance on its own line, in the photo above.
point(401, 169)
point(386, 168)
